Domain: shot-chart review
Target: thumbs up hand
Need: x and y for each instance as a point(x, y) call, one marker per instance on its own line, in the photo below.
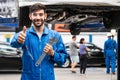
point(24, 29)
point(22, 35)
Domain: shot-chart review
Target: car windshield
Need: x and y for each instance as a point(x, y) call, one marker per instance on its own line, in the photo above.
point(89, 45)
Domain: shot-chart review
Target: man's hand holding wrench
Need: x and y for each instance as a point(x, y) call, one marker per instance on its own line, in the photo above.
point(47, 50)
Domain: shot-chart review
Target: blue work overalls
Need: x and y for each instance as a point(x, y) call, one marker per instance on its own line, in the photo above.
point(33, 48)
point(110, 54)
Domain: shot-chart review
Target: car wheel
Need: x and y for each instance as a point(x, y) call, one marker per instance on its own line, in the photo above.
point(67, 63)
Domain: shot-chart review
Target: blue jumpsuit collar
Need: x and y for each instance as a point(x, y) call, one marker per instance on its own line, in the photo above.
point(109, 38)
point(45, 31)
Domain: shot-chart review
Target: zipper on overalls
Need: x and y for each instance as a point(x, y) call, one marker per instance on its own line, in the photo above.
point(40, 64)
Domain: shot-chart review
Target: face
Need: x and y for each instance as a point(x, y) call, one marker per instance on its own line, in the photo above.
point(74, 39)
point(38, 17)
point(83, 41)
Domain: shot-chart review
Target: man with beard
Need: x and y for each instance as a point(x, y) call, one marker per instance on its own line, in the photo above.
point(34, 42)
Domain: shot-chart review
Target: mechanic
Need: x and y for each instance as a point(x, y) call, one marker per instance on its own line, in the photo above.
point(110, 49)
point(34, 41)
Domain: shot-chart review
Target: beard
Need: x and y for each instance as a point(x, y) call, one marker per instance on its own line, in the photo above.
point(38, 23)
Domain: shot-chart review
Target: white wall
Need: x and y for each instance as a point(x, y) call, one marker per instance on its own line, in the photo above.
point(3, 35)
point(98, 38)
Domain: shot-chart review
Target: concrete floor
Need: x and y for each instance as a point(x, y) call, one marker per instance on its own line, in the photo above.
point(92, 73)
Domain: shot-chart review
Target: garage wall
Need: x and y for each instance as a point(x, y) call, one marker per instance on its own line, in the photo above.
point(97, 38)
point(6, 35)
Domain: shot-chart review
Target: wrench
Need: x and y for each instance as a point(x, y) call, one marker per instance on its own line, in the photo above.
point(51, 42)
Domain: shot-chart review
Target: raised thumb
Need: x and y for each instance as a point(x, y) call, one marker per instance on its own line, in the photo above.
point(24, 29)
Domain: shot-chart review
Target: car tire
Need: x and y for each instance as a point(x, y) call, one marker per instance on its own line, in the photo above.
point(67, 63)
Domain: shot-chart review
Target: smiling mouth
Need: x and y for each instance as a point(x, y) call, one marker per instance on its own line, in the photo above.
point(37, 21)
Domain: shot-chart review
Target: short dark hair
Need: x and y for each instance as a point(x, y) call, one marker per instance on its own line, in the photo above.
point(73, 36)
point(37, 6)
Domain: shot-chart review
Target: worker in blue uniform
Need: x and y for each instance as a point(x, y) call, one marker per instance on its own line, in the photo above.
point(34, 41)
point(110, 50)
